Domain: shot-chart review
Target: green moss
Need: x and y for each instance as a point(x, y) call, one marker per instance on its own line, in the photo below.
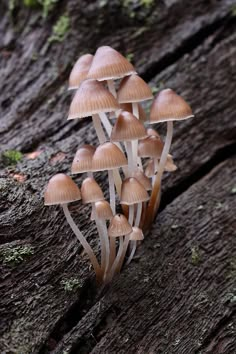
point(195, 255)
point(11, 157)
point(16, 255)
point(130, 57)
point(60, 29)
point(48, 6)
point(31, 3)
point(71, 284)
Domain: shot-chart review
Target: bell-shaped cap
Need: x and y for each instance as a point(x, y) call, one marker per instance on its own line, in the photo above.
point(103, 211)
point(133, 192)
point(80, 71)
point(109, 64)
point(151, 131)
point(133, 89)
point(128, 107)
point(90, 191)
point(170, 166)
point(136, 234)
point(108, 157)
point(127, 127)
point(91, 98)
point(169, 106)
point(61, 190)
point(83, 159)
point(151, 146)
point(119, 226)
point(144, 180)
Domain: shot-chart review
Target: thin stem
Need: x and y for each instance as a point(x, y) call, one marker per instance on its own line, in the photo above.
point(136, 159)
point(83, 242)
point(137, 222)
point(130, 157)
point(107, 245)
point(132, 253)
point(155, 196)
point(112, 191)
point(131, 214)
point(121, 258)
point(117, 259)
point(111, 87)
point(105, 248)
point(98, 127)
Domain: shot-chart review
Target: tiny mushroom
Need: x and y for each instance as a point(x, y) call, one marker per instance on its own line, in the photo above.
point(80, 71)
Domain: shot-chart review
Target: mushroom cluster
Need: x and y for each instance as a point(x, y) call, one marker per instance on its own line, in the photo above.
point(110, 91)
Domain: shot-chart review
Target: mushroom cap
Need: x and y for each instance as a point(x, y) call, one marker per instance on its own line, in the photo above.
point(61, 190)
point(136, 234)
point(80, 71)
point(169, 106)
point(119, 226)
point(128, 107)
point(151, 131)
point(83, 159)
point(103, 210)
point(133, 89)
point(149, 170)
point(151, 146)
point(91, 98)
point(144, 180)
point(169, 166)
point(127, 127)
point(109, 64)
point(133, 192)
point(90, 191)
point(108, 157)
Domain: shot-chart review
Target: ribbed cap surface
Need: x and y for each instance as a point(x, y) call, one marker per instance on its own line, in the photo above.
point(119, 226)
point(83, 159)
point(61, 190)
point(109, 64)
point(91, 98)
point(169, 106)
point(80, 71)
point(133, 192)
point(107, 157)
point(127, 127)
point(133, 89)
point(144, 180)
point(151, 146)
point(90, 191)
point(136, 234)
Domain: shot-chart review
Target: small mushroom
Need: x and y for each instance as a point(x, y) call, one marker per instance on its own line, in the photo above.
point(80, 71)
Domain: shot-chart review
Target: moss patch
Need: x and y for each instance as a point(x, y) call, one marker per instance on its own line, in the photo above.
point(11, 157)
point(15, 255)
point(71, 284)
point(195, 255)
point(60, 29)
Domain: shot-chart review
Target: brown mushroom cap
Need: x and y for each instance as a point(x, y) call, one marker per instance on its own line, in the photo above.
point(169, 166)
point(109, 64)
point(108, 157)
point(103, 210)
point(61, 190)
point(91, 98)
point(151, 146)
point(83, 159)
point(144, 180)
point(128, 107)
point(80, 71)
point(133, 89)
point(133, 192)
point(127, 127)
point(169, 106)
point(119, 226)
point(136, 234)
point(90, 191)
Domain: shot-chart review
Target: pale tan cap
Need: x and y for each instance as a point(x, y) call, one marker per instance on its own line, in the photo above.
point(133, 192)
point(91, 98)
point(90, 191)
point(80, 71)
point(119, 226)
point(144, 180)
point(103, 210)
point(109, 64)
point(83, 159)
point(108, 157)
point(136, 234)
point(169, 106)
point(151, 146)
point(128, 107)
point(127, 127)
point(133, 89)
point(61, 190)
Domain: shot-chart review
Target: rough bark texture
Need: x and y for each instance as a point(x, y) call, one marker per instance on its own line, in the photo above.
point(179, 294)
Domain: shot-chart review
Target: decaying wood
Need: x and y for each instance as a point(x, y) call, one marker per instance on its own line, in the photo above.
point(176, 306)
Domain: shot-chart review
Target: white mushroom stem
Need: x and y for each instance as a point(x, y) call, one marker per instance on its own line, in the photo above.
point(111, 87)
point(155, 196)
point(117, 259)
point(99, 130)
point(105, 247)
point(130, 157)
point(112, 191)
point(121, 258)
point(131, 214)
point(136, 159)
point(134, 243)
point(83, 242)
